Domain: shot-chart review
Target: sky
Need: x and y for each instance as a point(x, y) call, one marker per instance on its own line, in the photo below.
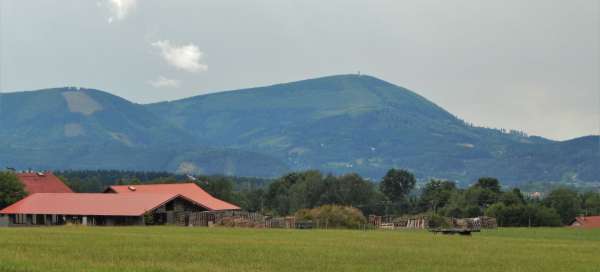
point(527, 65)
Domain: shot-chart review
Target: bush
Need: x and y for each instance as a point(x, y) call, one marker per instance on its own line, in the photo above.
point(148, 219)
point(523, 215)
point(333, 216)
point(438, 221)
point(566, 202)
point(543, 216)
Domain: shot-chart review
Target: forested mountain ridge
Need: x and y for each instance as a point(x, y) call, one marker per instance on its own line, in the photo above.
point(353, 123)
point(72, 128)
point(338, 124)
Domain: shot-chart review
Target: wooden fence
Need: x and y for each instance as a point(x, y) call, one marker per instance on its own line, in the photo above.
point(422, 222)
point(223, 218)
point(256, 220)
point(388, 222)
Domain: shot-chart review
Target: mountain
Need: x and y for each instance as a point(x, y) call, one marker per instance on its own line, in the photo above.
point(70, 117)
point(71, 128)
point(338, 124)
point(363, 124)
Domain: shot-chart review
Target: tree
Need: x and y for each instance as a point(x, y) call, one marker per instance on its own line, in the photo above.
point(456, 205)
point(252, 200)
point(309, 189)
point(538, 216)
point(591, 203)
point(485, 192)
point(436, 194)
point(513, 197)
point(277, 197)
point(480, 197)
point(350, 190)
point(129, 181)
point(11, 189)
point(219, 187)
point(488, 183)
point(516, 215)
point(306, 191)
point(506, 215)
point(566, 202)
point(396, 184)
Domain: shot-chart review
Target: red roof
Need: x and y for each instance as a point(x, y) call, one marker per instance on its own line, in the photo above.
point(188, 190)
point(89, 204)
point(42, 183)
point(588, 221)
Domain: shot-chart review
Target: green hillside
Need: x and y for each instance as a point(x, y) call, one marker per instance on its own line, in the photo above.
point(80, 116)
point(337, 124)
point(68, 128)
point(360, 123)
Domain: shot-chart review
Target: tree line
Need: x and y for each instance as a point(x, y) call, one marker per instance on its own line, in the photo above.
point(395, 194)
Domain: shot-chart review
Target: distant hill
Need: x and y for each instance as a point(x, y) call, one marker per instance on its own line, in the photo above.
point(360, 123)
point(68, 128)
point(70, 116)
point(338, 124)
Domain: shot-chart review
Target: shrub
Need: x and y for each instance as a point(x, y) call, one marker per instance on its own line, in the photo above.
point(333, 216)
point(148, 219)
point(438, 221)
point(523, 215)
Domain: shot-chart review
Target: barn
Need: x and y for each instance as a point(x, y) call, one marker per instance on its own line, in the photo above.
point(586, 222)
point(38, 182)
point(189, 190)
point(42, 182)
point(155, 204)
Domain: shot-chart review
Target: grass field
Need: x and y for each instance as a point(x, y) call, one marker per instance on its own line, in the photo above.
point(223, 249)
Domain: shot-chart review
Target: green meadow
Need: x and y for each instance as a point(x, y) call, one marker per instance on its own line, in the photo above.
point(228, 249)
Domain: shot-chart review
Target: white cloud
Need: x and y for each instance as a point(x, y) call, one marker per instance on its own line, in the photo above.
point(185, 57)
point(163, 82)
point(119, 9)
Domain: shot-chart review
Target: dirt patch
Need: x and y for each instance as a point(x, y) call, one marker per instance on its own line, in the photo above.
point(81, 103)
point(74, 130)
point(121, 138)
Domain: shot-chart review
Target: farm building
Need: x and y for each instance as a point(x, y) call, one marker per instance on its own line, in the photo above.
point(188, 190)
point(38, 182)
point(586, 222)
point(42, 182)
point(121, 205)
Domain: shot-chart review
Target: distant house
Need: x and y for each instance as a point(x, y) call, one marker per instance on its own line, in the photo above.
point(535, 195)
point(119, 205)
point(586, 222)
point(42, 182)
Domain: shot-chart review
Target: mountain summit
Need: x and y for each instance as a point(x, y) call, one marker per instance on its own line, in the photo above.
point(357, 123)
point(338, 124)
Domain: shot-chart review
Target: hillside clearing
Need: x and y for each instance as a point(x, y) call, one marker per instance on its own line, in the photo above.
point(224, 249)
